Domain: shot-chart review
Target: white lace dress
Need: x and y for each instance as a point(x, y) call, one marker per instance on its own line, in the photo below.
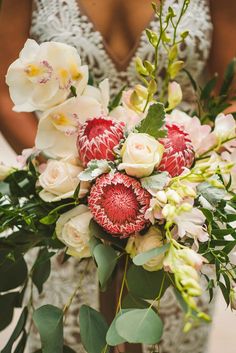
point(63, 21)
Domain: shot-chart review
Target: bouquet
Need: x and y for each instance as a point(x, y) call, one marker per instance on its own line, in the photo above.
point(130, 179)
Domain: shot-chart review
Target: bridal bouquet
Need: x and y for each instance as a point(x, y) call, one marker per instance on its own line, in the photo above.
point(130, 179)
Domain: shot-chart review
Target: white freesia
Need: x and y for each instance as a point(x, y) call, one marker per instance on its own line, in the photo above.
point(59, 181)
point(139, 244)
point(101, 94)
point(42, 75)
point(5, 170)
point(72, 228)
point(58, 127)
point(175, 95)
point(140, 154)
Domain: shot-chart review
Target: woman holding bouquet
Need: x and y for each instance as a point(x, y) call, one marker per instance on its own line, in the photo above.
point(108, 36)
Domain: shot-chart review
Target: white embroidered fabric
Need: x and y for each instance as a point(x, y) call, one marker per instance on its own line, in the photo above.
point(63, 21)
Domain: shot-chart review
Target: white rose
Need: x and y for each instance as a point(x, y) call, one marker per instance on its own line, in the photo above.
point(140, 154)
point(72, 229)
point(140, 244)
point(5, 171)
point(42, 75)
point(59, 181)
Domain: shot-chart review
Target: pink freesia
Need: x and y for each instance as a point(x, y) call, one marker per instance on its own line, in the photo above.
point(225, 127)
point(26, 153)
point(191, 224)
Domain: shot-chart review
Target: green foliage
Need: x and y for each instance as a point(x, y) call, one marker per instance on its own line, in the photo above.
point(145, 284)
point(49, 321)
point(7, 303)
point(143, 258)
point(116, 100)
point(211, 193)
point(13, 271)
point(42, 268)
point(95, 168)
point(155, 182)
point(112, 337)
point(93, 330)
point(19, 328)
point(154, 122)
point(140, 326)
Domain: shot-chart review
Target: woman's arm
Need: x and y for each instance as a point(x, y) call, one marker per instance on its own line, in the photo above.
point(18, 128)
point(224, 35)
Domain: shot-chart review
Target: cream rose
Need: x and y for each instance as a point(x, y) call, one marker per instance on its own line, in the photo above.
point(42, 75)
point(141, 244)
point(72, 229)
point(59, 181)
point(5, 171)
point(140, 154)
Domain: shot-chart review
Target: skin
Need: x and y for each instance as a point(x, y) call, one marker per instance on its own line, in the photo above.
point(121, 33)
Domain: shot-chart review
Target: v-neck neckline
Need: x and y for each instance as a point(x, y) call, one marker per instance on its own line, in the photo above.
point(121, 65)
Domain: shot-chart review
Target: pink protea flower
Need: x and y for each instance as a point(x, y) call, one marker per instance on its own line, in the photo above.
point(97, 139)
point(118, 203)
point(179, 151)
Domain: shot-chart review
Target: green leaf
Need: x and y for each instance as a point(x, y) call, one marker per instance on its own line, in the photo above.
point(73, 91)
point(7, 304)
point(155, 182)
point(209, 87)
point(154, 122)
point(142, 259)
point(211, 193)
point(66, 349)
point(17, 331)
point(93, 329)
point(106, 259)
point(42, 268)
point(112, 337)
point(20, 348)
point(49, 321)
point(13, 273)
point(191, 79)
point(94, 169)
point(49, 219)
point(140, 326)
point(130, 301)
point(145, 284)
point(116, 101)
point(225, 292)
point(228, 77)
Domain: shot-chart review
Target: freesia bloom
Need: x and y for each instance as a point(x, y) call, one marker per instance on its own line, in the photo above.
point(191, 224)
point(175, 95)
point(225, 127)
point(59, 181)
point(72, 229)
point(42, 75)
point(97, 139)
point(139, 244)
point(141, 153)
point(118, 203)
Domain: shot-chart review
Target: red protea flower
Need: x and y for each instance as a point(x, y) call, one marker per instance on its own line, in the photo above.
point(118, 203)
point(97, 139)
point(179, 151)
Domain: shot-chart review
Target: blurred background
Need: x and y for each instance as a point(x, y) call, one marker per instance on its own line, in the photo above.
point(222, 338)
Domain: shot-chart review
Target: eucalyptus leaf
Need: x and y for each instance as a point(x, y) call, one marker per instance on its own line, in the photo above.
point(49, 321)
point(145, 284)
point(154, 122)
point(140, 326)
point(93, 330)
point(112, 337)
point(106, 259)
point(130, 301)
point(143, 258)
point(211, 193)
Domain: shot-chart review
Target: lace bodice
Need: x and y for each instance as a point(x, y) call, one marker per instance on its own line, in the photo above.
point(63, 21)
